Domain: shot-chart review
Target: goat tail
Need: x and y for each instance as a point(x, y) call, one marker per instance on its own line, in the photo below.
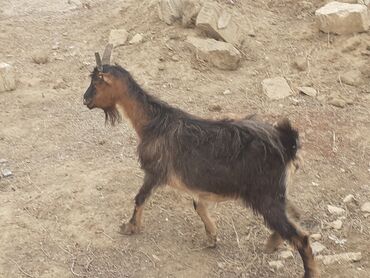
point(289, 139)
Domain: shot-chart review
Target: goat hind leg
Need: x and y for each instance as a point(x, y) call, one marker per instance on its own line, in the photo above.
point(134, 224)
point(275, 240)
point(201, 207)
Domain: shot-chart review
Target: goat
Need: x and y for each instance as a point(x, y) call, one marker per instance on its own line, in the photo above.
point(214, 160)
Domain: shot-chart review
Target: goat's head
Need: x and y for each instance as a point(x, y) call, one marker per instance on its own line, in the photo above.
point(102, 92)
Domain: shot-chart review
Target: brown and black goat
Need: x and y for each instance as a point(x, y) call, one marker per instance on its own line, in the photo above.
point(213, 160)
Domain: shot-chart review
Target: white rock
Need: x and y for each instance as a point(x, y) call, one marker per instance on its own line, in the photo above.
point(170, 10)
point(227, 92)
point(342, 18)
point(221, 54)
point(189, 12)
point(6, 173)
point(219, 24)
point(118, 37)
point(286, 254)
point(349, 198)
point(276, 88)
point(335, 210)
point(352, 77)
point(337, 224)
point(276, 264)
point(138, 38)
point(308, 91)
point(317, 247)
point(340, 258)
point(7, 77)
point(2, 160)
point(316, 236)
point(365, 207)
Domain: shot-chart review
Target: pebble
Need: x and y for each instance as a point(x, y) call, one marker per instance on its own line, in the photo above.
point(317, 247)
point(337, 224)
point(286, 254)
point(6, 173)
point(349, 198)
point(316, 236)
point(340, 258)
point(335, 210)
point(40, 58)
point(365, 207)
point(276, 88)
point(276, 264)
point(309, 91)
point(138, 38)
point(2, 160)
point(300, 63)
point(227, 92)
point(352, 77)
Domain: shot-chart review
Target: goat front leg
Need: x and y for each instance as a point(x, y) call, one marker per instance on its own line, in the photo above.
point(133, 226)
point(201, 207)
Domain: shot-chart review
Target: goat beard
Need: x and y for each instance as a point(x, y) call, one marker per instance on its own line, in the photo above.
point(112, 116)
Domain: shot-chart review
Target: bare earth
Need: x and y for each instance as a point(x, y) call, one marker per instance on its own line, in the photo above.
point(74, 179)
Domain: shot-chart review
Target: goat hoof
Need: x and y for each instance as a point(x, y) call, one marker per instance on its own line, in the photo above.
point(129, 229)
point(273, 243)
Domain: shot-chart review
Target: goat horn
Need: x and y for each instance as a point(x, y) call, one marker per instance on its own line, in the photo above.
point(98, 61)
point(107, 53)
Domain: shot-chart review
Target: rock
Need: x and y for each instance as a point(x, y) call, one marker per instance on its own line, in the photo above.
point(118, 37)
point(352, 77)
point(219, 24)
point(315, 236)
point(342, 18)
point(335, 210)
point(317, 247)
point(300, 63)
point(349, 198)
point(276, 264)
point(227, 92)
point(138, 38)
point(7, 77)
point(340, 258)
point(365, 207)
point(221, 54)
point(6, 173)
point(40, 58)
point(170, 10)
point(190, 11)
point(308, 91)
point(276, 88)
point(2, 161)
point(215, 108)
point(286, 254)
point(337, 224)
point(337, 101)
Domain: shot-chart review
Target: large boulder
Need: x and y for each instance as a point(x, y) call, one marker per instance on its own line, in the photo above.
point(222, 55)
point(342, 18)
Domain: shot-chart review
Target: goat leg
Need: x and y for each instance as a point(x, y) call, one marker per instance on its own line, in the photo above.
point(201, 207)
point(134, 224)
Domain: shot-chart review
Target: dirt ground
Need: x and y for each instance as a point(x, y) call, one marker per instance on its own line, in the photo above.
point(74, 179)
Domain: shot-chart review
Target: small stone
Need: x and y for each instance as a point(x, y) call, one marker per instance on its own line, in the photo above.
point(340, 258)
point(215, 108)
point(335, 210)
point(352, 77)
point(349, 198)
point(276, 88)
point(365, 207)
point(221, 54)
point(309, 91)
point(276, 264)
point(300, 63)
point(40, 58)
point(175, 58)
point(337, 101)
point(227, 92)
point(118, 37)
point(138, 38)
point(286, 254)
point(317, 247)
point(2, 161)
point(342, 18)
point(337, 224)
point(7, 77)
point(6, 173)
point(316, 236)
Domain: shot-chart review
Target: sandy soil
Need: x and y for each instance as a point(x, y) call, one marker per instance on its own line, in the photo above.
point(74, 178)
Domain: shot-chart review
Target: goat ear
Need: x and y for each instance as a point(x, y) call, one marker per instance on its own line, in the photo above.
point(106, 78)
